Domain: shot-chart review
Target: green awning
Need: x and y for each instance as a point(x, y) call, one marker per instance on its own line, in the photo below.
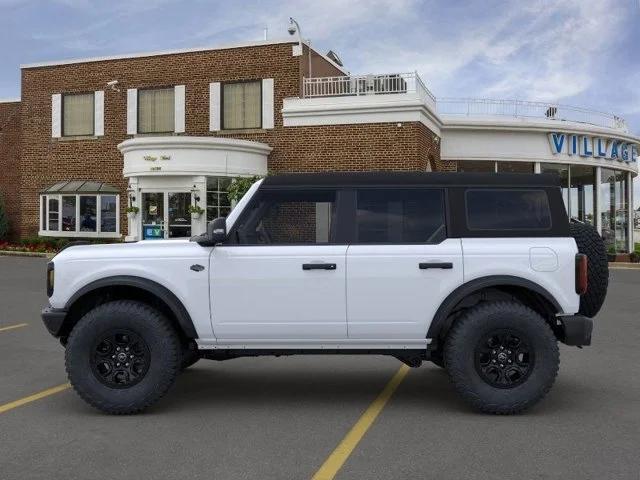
point(80, 186)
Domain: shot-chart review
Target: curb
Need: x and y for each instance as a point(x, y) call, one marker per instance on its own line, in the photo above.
point(11, 253)
point(624, 266)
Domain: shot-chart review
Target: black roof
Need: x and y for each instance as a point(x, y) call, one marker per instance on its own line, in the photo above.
point(413, 178)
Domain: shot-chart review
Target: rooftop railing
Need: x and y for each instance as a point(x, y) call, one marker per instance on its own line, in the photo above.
point(523, 109)
point(357, 85)
point(403, 83)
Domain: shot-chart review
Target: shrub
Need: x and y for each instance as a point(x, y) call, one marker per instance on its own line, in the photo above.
point(239, 187)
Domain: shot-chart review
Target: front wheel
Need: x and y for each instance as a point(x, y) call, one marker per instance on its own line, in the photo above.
point(502, 357)
point(122, 357)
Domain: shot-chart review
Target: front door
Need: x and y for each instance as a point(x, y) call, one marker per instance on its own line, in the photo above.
point(281, 276)
point(401, 265)
point(165, 215)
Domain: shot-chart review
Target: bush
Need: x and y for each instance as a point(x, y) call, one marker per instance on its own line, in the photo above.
point(4, 221)
point(239, 187)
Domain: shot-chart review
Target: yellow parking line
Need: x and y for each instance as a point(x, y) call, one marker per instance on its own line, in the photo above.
point(32, 398)
point(334, 463)
point(11, 327)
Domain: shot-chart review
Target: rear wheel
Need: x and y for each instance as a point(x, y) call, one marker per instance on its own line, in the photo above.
point(122, 357)
point(502, 357)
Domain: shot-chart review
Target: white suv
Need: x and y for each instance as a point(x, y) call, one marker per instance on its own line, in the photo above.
point(479, 273)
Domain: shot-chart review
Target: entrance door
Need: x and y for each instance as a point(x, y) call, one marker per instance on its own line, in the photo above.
point(165, 215)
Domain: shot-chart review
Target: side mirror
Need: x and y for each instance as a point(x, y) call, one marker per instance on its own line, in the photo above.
point(216, 233)
point(217, 230)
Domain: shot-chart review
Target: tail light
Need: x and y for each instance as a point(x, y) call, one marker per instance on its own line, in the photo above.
point(581, 274)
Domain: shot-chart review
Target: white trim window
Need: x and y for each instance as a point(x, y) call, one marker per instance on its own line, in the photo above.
point(242, 105)
point(77, 114)
point(218, 203)
point(156, 110)
point(78, 214)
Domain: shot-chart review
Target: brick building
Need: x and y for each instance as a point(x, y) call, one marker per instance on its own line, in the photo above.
point(168, 130)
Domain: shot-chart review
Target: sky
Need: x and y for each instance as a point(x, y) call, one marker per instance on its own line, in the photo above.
point(576, 52)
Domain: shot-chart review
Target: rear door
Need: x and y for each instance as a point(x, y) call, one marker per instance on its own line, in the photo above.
point(283, 276)
point(400, 264)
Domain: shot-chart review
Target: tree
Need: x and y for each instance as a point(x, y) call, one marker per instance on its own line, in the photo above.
point(4, 221)
point(239, 187)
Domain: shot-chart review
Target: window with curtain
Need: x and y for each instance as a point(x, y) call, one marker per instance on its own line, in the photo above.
point(156, 110)
point(242, 105)
point(77, 114)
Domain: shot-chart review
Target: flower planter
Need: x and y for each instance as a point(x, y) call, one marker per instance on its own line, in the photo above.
point(196, 216)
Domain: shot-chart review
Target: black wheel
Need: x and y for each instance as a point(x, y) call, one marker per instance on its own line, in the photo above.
point(122, 357)
point(502, 357)
point(591, 244)
point(190, 355)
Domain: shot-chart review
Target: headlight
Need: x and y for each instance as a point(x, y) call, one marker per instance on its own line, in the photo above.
point(50, 278)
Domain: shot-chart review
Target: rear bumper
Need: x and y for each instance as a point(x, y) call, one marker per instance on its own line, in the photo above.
point(576, 330)
point(53, 319)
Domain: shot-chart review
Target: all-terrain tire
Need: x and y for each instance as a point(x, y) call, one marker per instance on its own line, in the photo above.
point(590, 243)
point(158, 344)
point(464, 363)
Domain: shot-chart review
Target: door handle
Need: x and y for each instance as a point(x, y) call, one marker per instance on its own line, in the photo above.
point(319, 266)
point(443, 265)
point(196, 268)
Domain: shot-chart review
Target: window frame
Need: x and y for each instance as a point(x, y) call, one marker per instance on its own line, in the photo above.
point(93, 110)
point(145, 89)
point(44, 222)
point(235, 82)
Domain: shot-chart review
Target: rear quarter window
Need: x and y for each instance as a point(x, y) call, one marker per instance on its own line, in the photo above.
point(507, 209)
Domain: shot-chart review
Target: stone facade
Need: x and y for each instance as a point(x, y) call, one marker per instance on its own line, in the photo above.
point(43, 160)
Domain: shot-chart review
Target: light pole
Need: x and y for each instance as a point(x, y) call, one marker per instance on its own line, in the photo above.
point(294, 27)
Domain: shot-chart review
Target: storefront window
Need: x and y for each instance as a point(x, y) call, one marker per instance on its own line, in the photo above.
point(515, 167)
point(582, 193)
point(218, 203)
point(614, 210)
point(77, 215)
point(476, 166)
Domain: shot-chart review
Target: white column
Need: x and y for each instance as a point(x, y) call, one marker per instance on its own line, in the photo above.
point(134, 223)
point(199, 225)
point(596, 201)
point(630, 211)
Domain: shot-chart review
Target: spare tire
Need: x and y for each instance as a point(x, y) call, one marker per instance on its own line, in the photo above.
point(591, 244)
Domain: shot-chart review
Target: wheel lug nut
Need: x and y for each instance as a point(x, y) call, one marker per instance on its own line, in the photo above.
point(113, 356)
point(501, 347)
point(501, 366)
point(126, 364)
point(130, 356)
point(117, 364)
point(118, 349)
point(127, 349)
point(494, 360)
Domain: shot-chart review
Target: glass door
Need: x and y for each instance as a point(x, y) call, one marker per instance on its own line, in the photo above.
point(179, 220)
point(153, 220)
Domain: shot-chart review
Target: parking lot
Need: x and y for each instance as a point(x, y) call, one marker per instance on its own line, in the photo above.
point(281, 418)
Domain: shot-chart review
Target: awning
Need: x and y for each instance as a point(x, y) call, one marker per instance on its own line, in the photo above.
point(80, 186)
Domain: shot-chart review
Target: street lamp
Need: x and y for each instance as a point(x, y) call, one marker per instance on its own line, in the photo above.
point(294, 27)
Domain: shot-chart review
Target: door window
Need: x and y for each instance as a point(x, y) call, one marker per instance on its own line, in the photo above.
point(400, 216)
point(289, 217)
point(179, 217)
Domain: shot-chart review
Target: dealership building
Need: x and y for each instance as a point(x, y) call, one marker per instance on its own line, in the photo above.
point(165, 131)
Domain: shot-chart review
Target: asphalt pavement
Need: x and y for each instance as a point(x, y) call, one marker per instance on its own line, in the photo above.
point(281, 418)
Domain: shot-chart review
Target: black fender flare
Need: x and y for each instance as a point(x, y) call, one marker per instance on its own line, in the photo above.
point(164, 294)
point(446, 307)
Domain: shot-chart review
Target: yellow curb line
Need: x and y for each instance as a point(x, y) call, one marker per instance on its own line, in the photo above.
point(32, 398)
point(339, 456)
point(11, 327)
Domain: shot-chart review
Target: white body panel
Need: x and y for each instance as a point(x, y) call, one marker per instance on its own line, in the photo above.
point(529, 259)
point(262, 292)
point(389, 296)
point(166, 262)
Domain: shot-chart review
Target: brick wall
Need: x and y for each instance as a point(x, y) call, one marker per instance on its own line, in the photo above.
point(9, 162)
point(44, 160)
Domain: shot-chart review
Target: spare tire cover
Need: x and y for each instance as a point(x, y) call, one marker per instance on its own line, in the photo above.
point(591, 244)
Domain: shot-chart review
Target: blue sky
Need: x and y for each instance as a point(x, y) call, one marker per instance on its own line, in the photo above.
point(580, 52)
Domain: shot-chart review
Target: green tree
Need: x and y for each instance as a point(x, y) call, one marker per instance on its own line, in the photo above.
point(4, 221)
point(239, 187)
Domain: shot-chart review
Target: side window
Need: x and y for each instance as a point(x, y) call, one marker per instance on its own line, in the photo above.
point(289, 217)
point(507, 209)
point(400, 216)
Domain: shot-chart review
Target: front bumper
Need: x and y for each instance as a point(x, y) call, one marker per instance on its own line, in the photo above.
point(53, 319)
point(576, 330)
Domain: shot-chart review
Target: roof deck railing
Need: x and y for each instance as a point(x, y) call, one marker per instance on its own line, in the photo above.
point(404, 83)
point(478, 107)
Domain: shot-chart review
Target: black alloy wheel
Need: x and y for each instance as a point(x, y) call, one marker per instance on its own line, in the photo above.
point(120, 358)
point(504, 358)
